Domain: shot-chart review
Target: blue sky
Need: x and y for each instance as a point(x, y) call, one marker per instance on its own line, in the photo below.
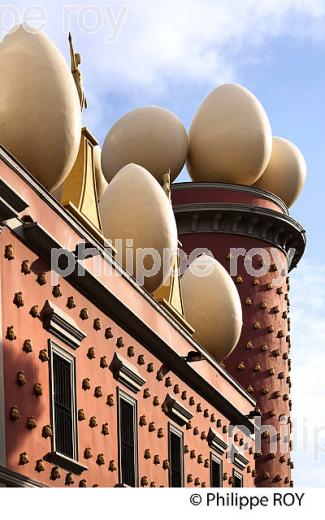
point(172, 53)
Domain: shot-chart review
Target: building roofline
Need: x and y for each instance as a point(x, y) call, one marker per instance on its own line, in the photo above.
point(34, 234)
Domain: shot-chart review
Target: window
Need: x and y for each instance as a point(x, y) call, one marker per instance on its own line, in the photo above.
point(237, 479)
point(176, 451)
point(216, 471)
point(63, 402)
point(127, 417)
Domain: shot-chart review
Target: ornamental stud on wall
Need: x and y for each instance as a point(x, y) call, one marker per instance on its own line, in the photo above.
point(196, 431)
point(166, 464)
point(197, 481)
point(84, 314)
point(193, 454)
point(200, 459)
point(105, 430)
point(71, 305)
point(56, 291)
point(264, 348)
point(34, 312)
point(93, 422)
point(184, 395)
point(86, 384)
point(98, 392)
point(87, 453)
point(9, 252)
point(203, 436)
point(191, 401)
point(103, 362)
point(83, 483)
point(156, 400)
point(43, 355)
point(150, 368)
point(206, 463)
point(189, 478)
point(249, 345)
point(206, 413)
point(189, 425)
point(31, 423)
point(199, 407)
point(47, 431)
point(41, 279)
point(241, 365)
point(91, 353)
point(97, 324)
point(141, 360)
point(110, 400)
point(14, 413)
point(100, 459)
point(143, 420)
point(248, 301)
point(21, 379)
point(23, 458)
point(263, 305)
point(131, 351)
point(160, 375)
point(213, 417)
point(68, 480)
point(152, 427)
point(256, 281)
point(27, 346)
point(156, 460)
point(112, 466)
point(18, 299)
point(147, 454)
point(239, 279)
point(10, 334)
point(108, 333)
point(160, 433)
point(144, 481)
point(120, 342)
point(81, 415)
point(146, 393)
point(39, 466)
point(257, 325)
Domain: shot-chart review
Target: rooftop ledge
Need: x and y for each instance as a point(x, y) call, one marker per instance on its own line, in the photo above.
point(202, 376)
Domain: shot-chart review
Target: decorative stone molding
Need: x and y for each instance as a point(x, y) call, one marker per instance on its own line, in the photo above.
point(9, 478)
point(126, 373)
point(65, 462)
point(239, 460)
point(176, 411)
point(265, 224)
point(257, 192)
point(10, 203)
point(61, 325)
point(216, 442)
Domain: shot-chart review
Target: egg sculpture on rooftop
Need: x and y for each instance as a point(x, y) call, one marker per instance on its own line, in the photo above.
point(230, 138)
point(138, 218)
point(285, 173)
point(152, 137)
point(212, 306)
point(40, 116)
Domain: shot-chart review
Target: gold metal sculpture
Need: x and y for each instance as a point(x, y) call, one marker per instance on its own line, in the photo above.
point(77, 74)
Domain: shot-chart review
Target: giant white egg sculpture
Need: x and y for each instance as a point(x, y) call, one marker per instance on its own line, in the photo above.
point(285, 174)
point(138, 218)
point(40, 116)
point(212, 306)
point(152, 137)
point(230, 138)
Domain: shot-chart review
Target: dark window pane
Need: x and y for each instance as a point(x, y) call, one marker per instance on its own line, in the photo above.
point(238, 481)
point(127, 443)
point(63, 406)
point(215, 473)
point(176, 453)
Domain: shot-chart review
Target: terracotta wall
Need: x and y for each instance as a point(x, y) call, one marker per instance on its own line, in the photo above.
point(19, 439)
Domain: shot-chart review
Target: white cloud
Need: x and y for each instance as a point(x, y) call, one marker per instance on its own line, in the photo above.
point(308, 372)
point(165, 47)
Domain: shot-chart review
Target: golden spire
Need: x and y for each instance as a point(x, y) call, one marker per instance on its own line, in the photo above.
point(77, 74)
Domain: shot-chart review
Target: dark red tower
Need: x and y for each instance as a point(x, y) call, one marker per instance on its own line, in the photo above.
point(251, 233)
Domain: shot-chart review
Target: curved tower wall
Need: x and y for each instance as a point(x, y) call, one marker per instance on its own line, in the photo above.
point(231, 220)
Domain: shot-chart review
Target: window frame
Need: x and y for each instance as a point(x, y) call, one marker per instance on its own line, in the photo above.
point(56, 349)
point(219, 461)
point(176, 431)
point(122, 395)
point(240, 476)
